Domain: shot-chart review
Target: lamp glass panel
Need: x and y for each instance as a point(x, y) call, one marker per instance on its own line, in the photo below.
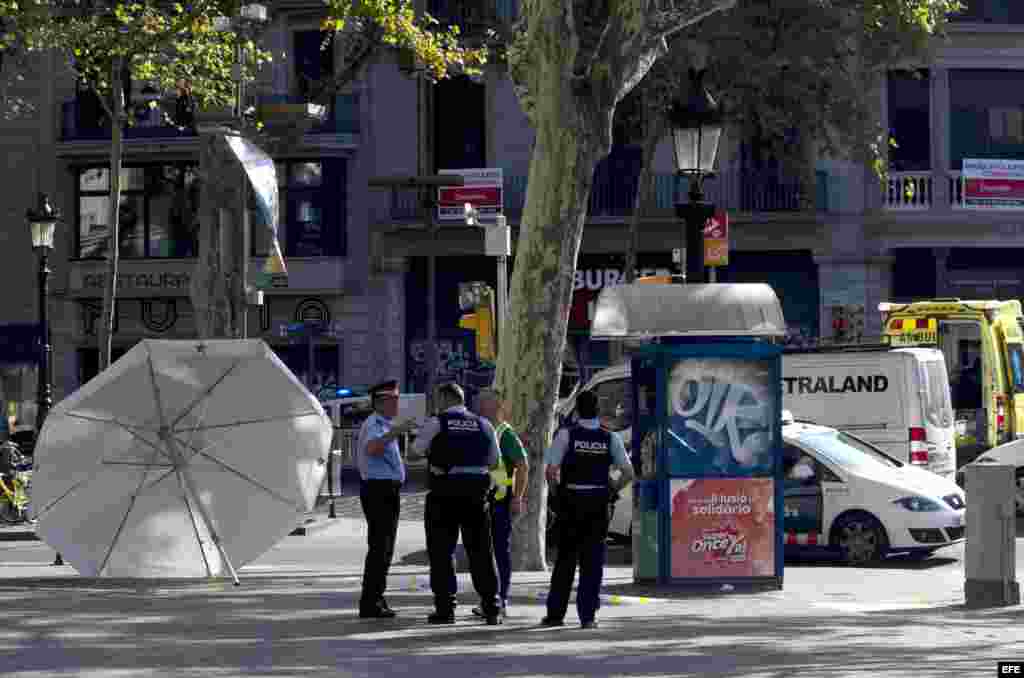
point(710, 136)
point(686, 141)
point(42, 233)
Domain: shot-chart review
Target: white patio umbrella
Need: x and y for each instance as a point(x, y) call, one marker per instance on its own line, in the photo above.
point(182, 459)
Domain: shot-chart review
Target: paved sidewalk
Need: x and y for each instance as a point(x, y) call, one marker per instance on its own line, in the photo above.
point(295, 615)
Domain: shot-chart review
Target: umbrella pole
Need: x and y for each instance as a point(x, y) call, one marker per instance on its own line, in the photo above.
point(186, 475)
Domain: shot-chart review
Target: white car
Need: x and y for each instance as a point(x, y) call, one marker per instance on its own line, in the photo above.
point(1010, 454)
point(844, 494)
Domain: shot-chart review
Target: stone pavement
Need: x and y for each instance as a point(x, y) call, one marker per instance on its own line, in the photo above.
point(295, 615)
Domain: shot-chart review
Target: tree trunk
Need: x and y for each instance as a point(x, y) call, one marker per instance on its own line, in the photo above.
point(565, 154)
point(210, 289)
point(106, 330)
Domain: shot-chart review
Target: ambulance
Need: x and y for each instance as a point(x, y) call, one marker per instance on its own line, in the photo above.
point(982, 345)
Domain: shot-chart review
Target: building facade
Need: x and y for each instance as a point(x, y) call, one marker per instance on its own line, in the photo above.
point(355, 253)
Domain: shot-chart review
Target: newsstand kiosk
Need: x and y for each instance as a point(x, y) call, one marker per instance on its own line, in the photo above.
point(706, 438)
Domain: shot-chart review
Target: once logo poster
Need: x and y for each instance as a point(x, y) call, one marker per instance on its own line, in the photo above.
point(723, 527)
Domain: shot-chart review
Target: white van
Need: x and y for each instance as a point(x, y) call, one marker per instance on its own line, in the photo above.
point(896, 399)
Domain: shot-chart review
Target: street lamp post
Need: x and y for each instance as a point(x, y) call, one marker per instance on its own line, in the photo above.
point(42, 222)
point(696, 131)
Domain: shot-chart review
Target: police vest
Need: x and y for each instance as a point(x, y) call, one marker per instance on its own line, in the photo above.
point(502, 479)
point(461, 442)
point(588, 458)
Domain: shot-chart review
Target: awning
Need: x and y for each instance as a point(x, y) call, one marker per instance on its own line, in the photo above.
point(647, 310)
point(19, 344)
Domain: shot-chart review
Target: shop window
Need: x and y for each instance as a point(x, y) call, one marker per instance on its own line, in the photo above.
point(314, 61)
point(158, 214)
point(459, 124)
point(89, 361)
point(311, 214)
point(325, 363)
point(991, 12)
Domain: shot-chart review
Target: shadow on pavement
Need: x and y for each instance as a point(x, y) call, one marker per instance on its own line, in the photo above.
point(285, 632)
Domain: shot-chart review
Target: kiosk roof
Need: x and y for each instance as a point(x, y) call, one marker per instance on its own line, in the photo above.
point(646, 310)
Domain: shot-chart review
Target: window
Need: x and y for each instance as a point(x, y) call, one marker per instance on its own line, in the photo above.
point(1016, 366)
point(991, 11)
point(843, 449)
point(986, 114)
point(312, 208)
point(909, 97)
point(935, 384)
point(158, 214)
point(314, 61)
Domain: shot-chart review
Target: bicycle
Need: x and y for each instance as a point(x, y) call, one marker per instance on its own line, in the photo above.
point(15, 488)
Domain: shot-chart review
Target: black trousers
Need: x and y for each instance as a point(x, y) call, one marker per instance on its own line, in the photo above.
point(381, 503)
point(582, 530)
point(457, 505)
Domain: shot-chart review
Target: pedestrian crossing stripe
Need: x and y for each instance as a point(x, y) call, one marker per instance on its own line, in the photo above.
point(794, 538)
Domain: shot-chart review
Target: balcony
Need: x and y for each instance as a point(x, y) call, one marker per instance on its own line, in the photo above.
point(917, 191)
point(736, 191)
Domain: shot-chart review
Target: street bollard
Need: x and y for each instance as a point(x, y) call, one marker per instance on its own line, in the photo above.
point(990, 561)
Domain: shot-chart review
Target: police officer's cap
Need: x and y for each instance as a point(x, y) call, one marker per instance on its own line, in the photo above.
point(452, 390)
point(384, 388)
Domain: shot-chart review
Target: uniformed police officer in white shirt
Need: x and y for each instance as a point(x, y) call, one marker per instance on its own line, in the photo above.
point(382, 473)
point(579, 461)
point(461, 448)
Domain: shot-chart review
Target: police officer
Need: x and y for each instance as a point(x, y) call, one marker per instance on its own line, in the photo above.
point(461, 448)
point(382, 473)
point(579, 461)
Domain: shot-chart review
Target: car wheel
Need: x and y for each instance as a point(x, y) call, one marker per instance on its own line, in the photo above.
point(861, 537)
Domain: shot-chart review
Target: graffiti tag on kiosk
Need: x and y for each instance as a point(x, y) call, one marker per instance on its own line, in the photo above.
point(726, 402)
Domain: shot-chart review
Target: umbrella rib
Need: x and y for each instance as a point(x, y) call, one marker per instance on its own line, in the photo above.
point(245, 422)
point(195, 525)
point(156, 389)
point(204, 394)
point(130, 429)
point(124, 519)
point(107, 462)
point(272, 493)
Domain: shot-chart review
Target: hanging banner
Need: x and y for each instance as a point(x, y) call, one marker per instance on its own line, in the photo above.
point(260, 169)
point(482, 188)
point(716, 240)
point(993, 184)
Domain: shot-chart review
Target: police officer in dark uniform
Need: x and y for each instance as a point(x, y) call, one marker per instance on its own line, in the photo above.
point(461, 448)
point(579, 461)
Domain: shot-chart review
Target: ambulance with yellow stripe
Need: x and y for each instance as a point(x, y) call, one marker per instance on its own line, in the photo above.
point(982, 345)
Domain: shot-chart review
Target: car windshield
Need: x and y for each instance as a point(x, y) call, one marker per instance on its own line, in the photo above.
point(843, 449)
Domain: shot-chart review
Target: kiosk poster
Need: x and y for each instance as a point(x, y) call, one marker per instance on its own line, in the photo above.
point(723, 527)
point(720, 418)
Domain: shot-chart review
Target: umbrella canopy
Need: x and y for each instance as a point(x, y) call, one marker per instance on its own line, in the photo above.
point(182, 459)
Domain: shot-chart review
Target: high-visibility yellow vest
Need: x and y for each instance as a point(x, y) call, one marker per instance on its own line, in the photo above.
point(498, 472)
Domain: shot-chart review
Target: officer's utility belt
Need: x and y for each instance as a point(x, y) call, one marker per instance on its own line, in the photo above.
point(459, 470)
point(574, 486)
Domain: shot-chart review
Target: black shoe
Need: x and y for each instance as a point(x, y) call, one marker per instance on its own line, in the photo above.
point(592, 624)
point(441, 618)
point(551, 621)
point(377, 613)
point(495, 619)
